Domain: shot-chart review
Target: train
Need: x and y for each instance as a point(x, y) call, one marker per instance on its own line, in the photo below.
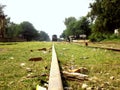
point(54, 37)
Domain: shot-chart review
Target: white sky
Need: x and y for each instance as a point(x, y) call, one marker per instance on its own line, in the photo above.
point(45, 15)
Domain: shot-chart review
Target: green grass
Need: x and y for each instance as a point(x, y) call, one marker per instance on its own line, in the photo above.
point(101, 64)
point(12, 74)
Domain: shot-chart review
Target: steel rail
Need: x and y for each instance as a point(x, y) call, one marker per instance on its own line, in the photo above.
point(55, 82)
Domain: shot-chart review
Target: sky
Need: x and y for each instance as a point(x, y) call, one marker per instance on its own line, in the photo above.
point(45, 15)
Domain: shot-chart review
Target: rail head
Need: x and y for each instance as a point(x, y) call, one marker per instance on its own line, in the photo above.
point(55, 82)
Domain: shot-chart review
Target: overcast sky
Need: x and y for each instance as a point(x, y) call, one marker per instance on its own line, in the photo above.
point(45, 15)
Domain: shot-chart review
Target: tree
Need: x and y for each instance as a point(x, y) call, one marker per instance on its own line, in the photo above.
point(82, 26)
point(69, 23)
point(25, 30)
point(76, 27)
point(105, 16)
point(43, 36)
point(63, 35)
point(13, 30)
point(1, 9)
point(69, 20)
point(28, 31)
point(2, 21)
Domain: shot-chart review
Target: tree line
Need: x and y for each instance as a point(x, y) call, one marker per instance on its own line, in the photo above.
point(25, 30)
point(76, 27)
point(98, 24)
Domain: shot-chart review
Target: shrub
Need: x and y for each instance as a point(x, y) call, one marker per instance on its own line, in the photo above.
point(114, 36)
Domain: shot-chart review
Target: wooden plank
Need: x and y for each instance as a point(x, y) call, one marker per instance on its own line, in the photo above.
point(55, 82)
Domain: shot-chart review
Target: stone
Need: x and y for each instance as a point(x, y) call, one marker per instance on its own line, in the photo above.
point(112, 77)
point(84, 86)
point(11, 58)
point(22, 64)
point(40, 88)
point(28, 69)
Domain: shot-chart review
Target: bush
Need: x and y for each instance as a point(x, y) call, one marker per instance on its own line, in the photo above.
point(114, 36)
point(97, 37)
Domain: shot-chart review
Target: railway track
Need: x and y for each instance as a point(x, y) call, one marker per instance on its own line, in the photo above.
point(55, 81)
point(101, 47)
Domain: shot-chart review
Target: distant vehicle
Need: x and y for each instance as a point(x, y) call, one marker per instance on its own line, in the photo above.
point(54, 37)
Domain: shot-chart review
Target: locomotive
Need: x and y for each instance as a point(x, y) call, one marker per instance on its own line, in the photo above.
point(54, 37)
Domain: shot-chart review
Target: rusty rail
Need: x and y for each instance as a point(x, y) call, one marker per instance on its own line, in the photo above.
point(55, 82)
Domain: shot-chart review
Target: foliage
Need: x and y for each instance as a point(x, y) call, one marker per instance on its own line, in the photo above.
point(28, 31)
point(105, 16)
point(2, 21)
point(64, 34)
point(114, 36)
point(1, 9)
point(25, 30)
point(76, 27)
point(43, 36)
point(97, 37)
point(13, 30)
point(83, 26)
point(69, 20)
